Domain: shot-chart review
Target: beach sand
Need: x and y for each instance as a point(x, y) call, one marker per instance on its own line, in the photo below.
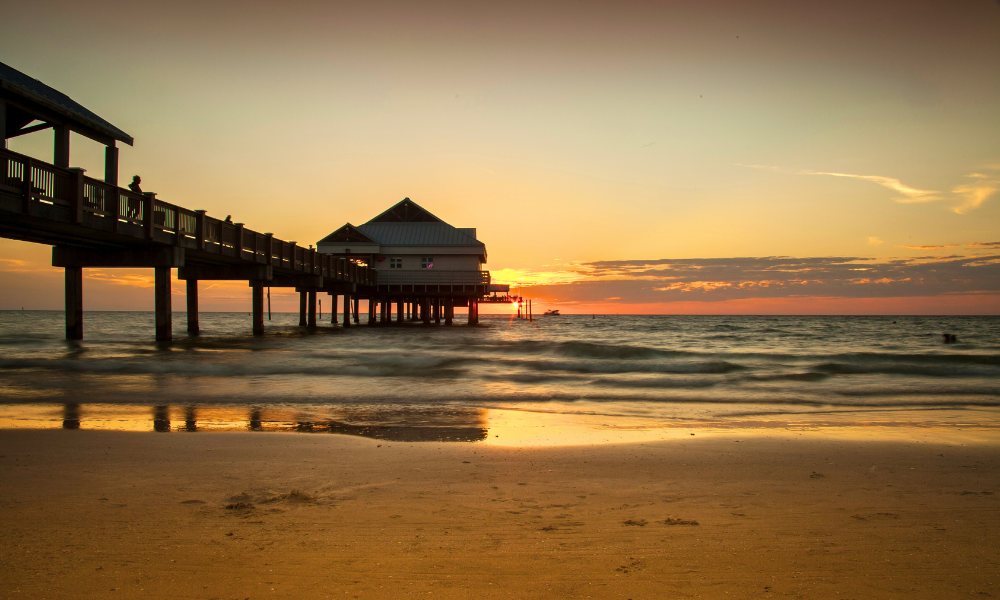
point(88, 514)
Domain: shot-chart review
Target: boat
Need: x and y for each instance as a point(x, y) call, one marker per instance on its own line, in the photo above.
point(552, 312)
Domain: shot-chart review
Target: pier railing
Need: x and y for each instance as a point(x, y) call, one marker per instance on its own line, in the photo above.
point(68, 196)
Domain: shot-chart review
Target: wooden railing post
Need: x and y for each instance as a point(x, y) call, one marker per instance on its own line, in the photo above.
point(238, 244)
point(115, 210)
point(199, 229)
point(26, 187)
point(76, 194)
point(269, 249)
point(148, 202)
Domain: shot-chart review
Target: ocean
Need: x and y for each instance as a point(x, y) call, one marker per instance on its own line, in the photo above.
point(556, 379)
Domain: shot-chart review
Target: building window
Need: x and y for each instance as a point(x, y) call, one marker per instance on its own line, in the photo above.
point(427, 262)
point(396, 262)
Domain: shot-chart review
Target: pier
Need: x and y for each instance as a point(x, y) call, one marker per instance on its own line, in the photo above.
point(91, 223)
point(96, 223)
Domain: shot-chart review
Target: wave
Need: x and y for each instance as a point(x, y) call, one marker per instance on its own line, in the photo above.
point(414, 367)
point(708, 367)
point(925, 369)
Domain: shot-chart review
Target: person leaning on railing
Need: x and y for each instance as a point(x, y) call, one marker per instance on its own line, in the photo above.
point(133, 203)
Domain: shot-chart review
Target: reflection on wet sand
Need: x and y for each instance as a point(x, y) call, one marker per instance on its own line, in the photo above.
point(161, 418)
point(71, 415)
point(412, 424)
point(190, 419)
point(534, 426)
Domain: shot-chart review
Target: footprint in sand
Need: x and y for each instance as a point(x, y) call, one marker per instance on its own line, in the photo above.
point(635, 522)
point(634, 564)
point(876, 516)
point(675, 521)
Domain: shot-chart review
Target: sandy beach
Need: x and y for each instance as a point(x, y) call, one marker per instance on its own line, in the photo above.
point(239, 515)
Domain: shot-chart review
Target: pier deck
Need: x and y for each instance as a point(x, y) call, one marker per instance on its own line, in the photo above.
point(91, 223)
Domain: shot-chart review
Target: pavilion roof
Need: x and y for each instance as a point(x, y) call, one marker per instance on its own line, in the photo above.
point(35, 100)
point(406, 211)
point(348, 234)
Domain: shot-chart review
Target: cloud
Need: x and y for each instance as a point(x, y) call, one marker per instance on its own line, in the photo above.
point(973, 195)
point(929, 246)
point(874, 240)
point(125, 277)
point(721, 279)
point(525, 277)
point(907, 194)
point(14, 265)
point(964, 197)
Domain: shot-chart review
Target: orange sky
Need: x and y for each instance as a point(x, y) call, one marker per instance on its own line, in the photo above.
point(631, 157)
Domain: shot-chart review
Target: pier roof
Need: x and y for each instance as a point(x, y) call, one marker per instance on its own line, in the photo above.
point(418, 234)
point(407, 224)
point(29, 99)
point(406, 211)
point(348, 234)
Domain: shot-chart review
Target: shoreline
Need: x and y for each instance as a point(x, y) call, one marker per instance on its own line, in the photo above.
point(527, 425)
point(238, 514)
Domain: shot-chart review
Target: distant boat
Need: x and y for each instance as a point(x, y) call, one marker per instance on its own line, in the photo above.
point(552, 312)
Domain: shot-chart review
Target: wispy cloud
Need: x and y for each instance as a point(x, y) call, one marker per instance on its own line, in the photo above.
point(929, 246)
point(972, 195)
point(964, 197)
point(907, 193)
point(125, 277)
point(14, 265)
point(529, 277)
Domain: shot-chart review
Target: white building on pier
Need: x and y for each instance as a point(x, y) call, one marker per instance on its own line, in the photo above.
point(409, 246)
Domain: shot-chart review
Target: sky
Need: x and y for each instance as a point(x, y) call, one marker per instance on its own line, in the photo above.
point(718, 157)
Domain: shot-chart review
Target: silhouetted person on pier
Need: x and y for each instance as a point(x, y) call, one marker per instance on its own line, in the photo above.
point(133, 204)
point(229, 218)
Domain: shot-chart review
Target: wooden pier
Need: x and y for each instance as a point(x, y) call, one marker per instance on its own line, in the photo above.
point(95, 223)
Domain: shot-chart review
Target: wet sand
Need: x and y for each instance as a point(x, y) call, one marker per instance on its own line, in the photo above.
point(88, 514)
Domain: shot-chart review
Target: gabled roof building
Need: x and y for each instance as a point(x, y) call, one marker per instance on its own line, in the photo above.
point(420, 260)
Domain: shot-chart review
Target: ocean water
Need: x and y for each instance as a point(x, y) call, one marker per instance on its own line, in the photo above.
point(650, 375)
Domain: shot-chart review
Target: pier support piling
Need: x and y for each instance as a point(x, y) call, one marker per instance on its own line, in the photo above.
point(302, 309)
point(74, 303)
point(257, 294)
point(312, 309)
point(473, 311)
point(347, 311)
point(192, 306)
point(161, 301)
